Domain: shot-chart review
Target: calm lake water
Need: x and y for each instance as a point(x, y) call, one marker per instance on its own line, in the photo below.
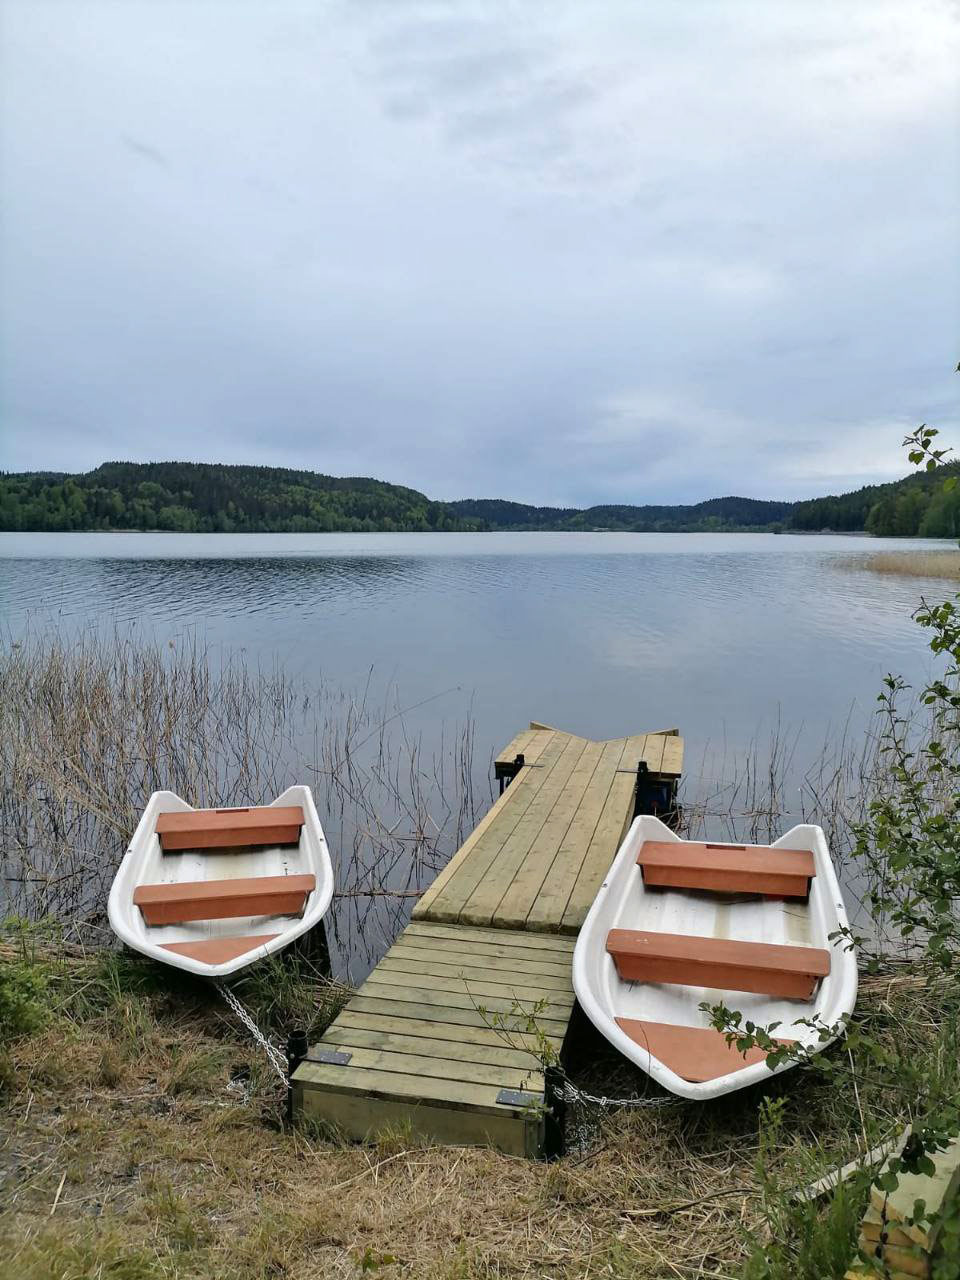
point(601, 634)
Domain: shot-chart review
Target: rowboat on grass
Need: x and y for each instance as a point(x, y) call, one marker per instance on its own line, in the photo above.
point(678, 923)
point(213, 890)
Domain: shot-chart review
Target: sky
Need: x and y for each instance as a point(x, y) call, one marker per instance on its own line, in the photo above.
point(560, 252)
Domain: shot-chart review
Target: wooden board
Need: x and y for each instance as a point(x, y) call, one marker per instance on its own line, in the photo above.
point(229, 828)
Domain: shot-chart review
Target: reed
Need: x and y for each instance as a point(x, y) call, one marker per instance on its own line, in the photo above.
point(910, 564)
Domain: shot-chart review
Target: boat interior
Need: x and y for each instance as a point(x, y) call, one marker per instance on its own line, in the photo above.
point(719, 883)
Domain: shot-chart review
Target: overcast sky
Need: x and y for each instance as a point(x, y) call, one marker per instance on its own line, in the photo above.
point(561, 252)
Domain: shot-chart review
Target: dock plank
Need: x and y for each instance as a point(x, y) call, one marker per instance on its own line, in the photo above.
point(472, 981)
point(514, 977)
point(455, 1034)
point(501, 1075)
point(492, 1055)
point(493, 958)
point(453, 1015)
point(480, 906)
point(556, 944)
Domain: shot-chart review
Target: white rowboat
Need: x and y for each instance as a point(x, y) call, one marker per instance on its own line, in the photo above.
point(215, 890)
point(692, 925)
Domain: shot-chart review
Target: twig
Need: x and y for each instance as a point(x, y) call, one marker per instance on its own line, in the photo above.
point(56, 1198)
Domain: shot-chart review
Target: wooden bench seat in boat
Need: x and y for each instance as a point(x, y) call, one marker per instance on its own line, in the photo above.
point(720, 963)
point(724, 868)
point(693, 1053)
point(219, 950)
point(229, 828)
point(221, 899)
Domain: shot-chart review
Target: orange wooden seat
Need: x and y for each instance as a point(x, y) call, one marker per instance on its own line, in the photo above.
point(226, 828)
point(220, 899)
point(692, 1053)
point(719, 963)
point(724, 868)
point(218, 950)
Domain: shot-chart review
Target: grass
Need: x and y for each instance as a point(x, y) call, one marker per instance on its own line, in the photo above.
point(144, 1137)
point(911, 564)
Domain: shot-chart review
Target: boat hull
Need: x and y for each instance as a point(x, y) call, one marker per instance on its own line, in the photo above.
point(624, 902)
point(214, 948)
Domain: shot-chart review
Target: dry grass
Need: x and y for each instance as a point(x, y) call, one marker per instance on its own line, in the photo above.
point(143, 1138)
point(910, 564)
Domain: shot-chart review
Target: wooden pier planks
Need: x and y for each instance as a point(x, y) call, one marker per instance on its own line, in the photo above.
point(464, 1002)
point(538, 857)
point(449, 1018)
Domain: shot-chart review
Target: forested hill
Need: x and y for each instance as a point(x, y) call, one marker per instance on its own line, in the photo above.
point(717, 514)
point(197, 497)
point(211, 498)
point(919, 505)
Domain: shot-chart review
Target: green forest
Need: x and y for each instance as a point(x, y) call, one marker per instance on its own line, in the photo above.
point(191, 497)
point(918, 506)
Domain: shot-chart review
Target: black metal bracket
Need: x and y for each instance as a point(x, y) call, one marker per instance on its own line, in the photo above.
point(505, 771)
point(656, 794)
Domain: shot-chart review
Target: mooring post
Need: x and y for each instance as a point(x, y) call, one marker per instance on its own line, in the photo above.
point(555, 1114)
point(296, 1052)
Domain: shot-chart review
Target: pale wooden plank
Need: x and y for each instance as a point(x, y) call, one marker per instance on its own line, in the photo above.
point(450, 1015)
point(476, 955)
point(515, 1010)
point(522, 891)
point(518, 979)
point(553, 944)
point(653, 749)
point(396, 1084)
point(479, 989)
point(546, 912)
point(480, 906)
point(616, 817)
point(455, 1033)
point(493, 1055)
point(672, 763)
point(362, 1118)
point(530, 743)
point(428, 1069)
point(476, 855)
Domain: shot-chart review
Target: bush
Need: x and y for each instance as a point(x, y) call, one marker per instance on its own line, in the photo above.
point(23, 999)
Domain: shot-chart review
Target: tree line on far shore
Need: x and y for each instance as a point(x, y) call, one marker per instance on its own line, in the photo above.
point(188, 497)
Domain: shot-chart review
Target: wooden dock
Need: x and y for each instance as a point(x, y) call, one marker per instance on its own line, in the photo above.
point(448, 1033)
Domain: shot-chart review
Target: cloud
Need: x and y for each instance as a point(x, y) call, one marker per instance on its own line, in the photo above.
point(548, 251)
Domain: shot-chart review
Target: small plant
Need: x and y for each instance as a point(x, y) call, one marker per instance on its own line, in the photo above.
point(23, 999)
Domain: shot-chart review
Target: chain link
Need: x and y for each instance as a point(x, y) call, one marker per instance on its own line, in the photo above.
point(276, 1058)
point(570, 1093)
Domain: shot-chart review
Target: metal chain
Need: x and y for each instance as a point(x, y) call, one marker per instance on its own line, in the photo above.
point(570, 1093)
point(277, 1060)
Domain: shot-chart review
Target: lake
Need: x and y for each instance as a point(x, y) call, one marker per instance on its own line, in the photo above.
point(721, 635)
